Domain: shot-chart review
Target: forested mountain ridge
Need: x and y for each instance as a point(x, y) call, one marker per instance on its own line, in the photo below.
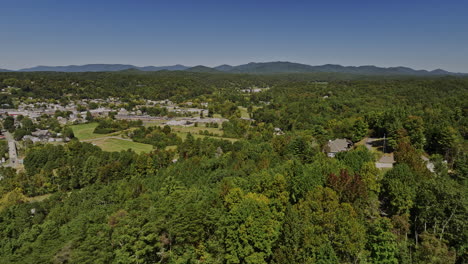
point(289, 67)
point(102, 68)
point(201, 68)
point(253, 68)
point(224, 67)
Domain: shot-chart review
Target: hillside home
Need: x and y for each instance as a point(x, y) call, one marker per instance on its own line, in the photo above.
point(337, 145)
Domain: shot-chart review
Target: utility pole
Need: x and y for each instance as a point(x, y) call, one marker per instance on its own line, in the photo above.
point(384, 143)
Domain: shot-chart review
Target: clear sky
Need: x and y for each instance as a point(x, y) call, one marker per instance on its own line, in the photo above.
point(420, 34)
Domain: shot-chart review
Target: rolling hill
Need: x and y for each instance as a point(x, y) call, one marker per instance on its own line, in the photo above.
point(224, 67)
point(250, 68)
point(102, 68)
point(201, 68)
point(290, 67)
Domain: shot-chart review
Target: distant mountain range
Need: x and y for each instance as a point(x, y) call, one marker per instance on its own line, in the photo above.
point(250, 68)
point(201, 68)
point(102, 68)
point(290, 67)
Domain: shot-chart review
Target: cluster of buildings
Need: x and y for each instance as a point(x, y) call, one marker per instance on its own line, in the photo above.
point(77, 111)
point(342, 144)
point(44, 135)
point(184, 108)
point(190, 121)
point(253, 90)
point(35, 111)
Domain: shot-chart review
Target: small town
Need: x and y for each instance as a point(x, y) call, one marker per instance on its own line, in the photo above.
point(89, 110)
point(233, 132)
point(178, 115)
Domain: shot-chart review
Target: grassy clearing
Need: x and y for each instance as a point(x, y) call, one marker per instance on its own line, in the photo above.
point(39, 198)
point(115, 144)
point(171, 147)
point(182, 131)
point(86, 131)
point(384, 170)
point(154, 123)
point(244, 112)
point(188, 129)
point(196, 130)
point(183, 136)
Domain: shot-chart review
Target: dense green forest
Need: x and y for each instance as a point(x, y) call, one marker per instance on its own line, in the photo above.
point(264, 198)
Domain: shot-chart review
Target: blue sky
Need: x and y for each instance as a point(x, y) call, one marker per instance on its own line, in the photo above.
point(420, 34)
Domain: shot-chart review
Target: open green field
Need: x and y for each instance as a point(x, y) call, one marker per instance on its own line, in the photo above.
point(174, 148)
point(244, 112)
point(188, 129)
point(154, 123)
point(107, 142)
point(112, 142)
point(38, 198)
point(86, 131)
point(196, 130)
point(183, 136)
point(115, 144)
point(182, 131)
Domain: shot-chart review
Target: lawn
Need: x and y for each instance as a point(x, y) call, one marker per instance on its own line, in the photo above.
point(85, 132)
point(115, 144)
point(154, 123)
point(183, 136)
point(111, 142)
point(38, 198)
point(244, 112)
point(196, 130)
point(174, 148)
point(182, 131)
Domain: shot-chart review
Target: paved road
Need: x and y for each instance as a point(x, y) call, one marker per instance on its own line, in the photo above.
point(370, 142)
point(386, 161)
point(12, 152)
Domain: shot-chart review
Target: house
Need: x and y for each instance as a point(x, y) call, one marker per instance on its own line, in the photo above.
point(62, 120)
point(179, 123)
point(337, 145)
point(123, 111)
point(100, 112)
point(278, 131)
point(33, 139)
point(252, 90)
point(386, 161)
point(41, 133)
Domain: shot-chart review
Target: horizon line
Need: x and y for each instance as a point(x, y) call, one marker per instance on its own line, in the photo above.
point(234, 65)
